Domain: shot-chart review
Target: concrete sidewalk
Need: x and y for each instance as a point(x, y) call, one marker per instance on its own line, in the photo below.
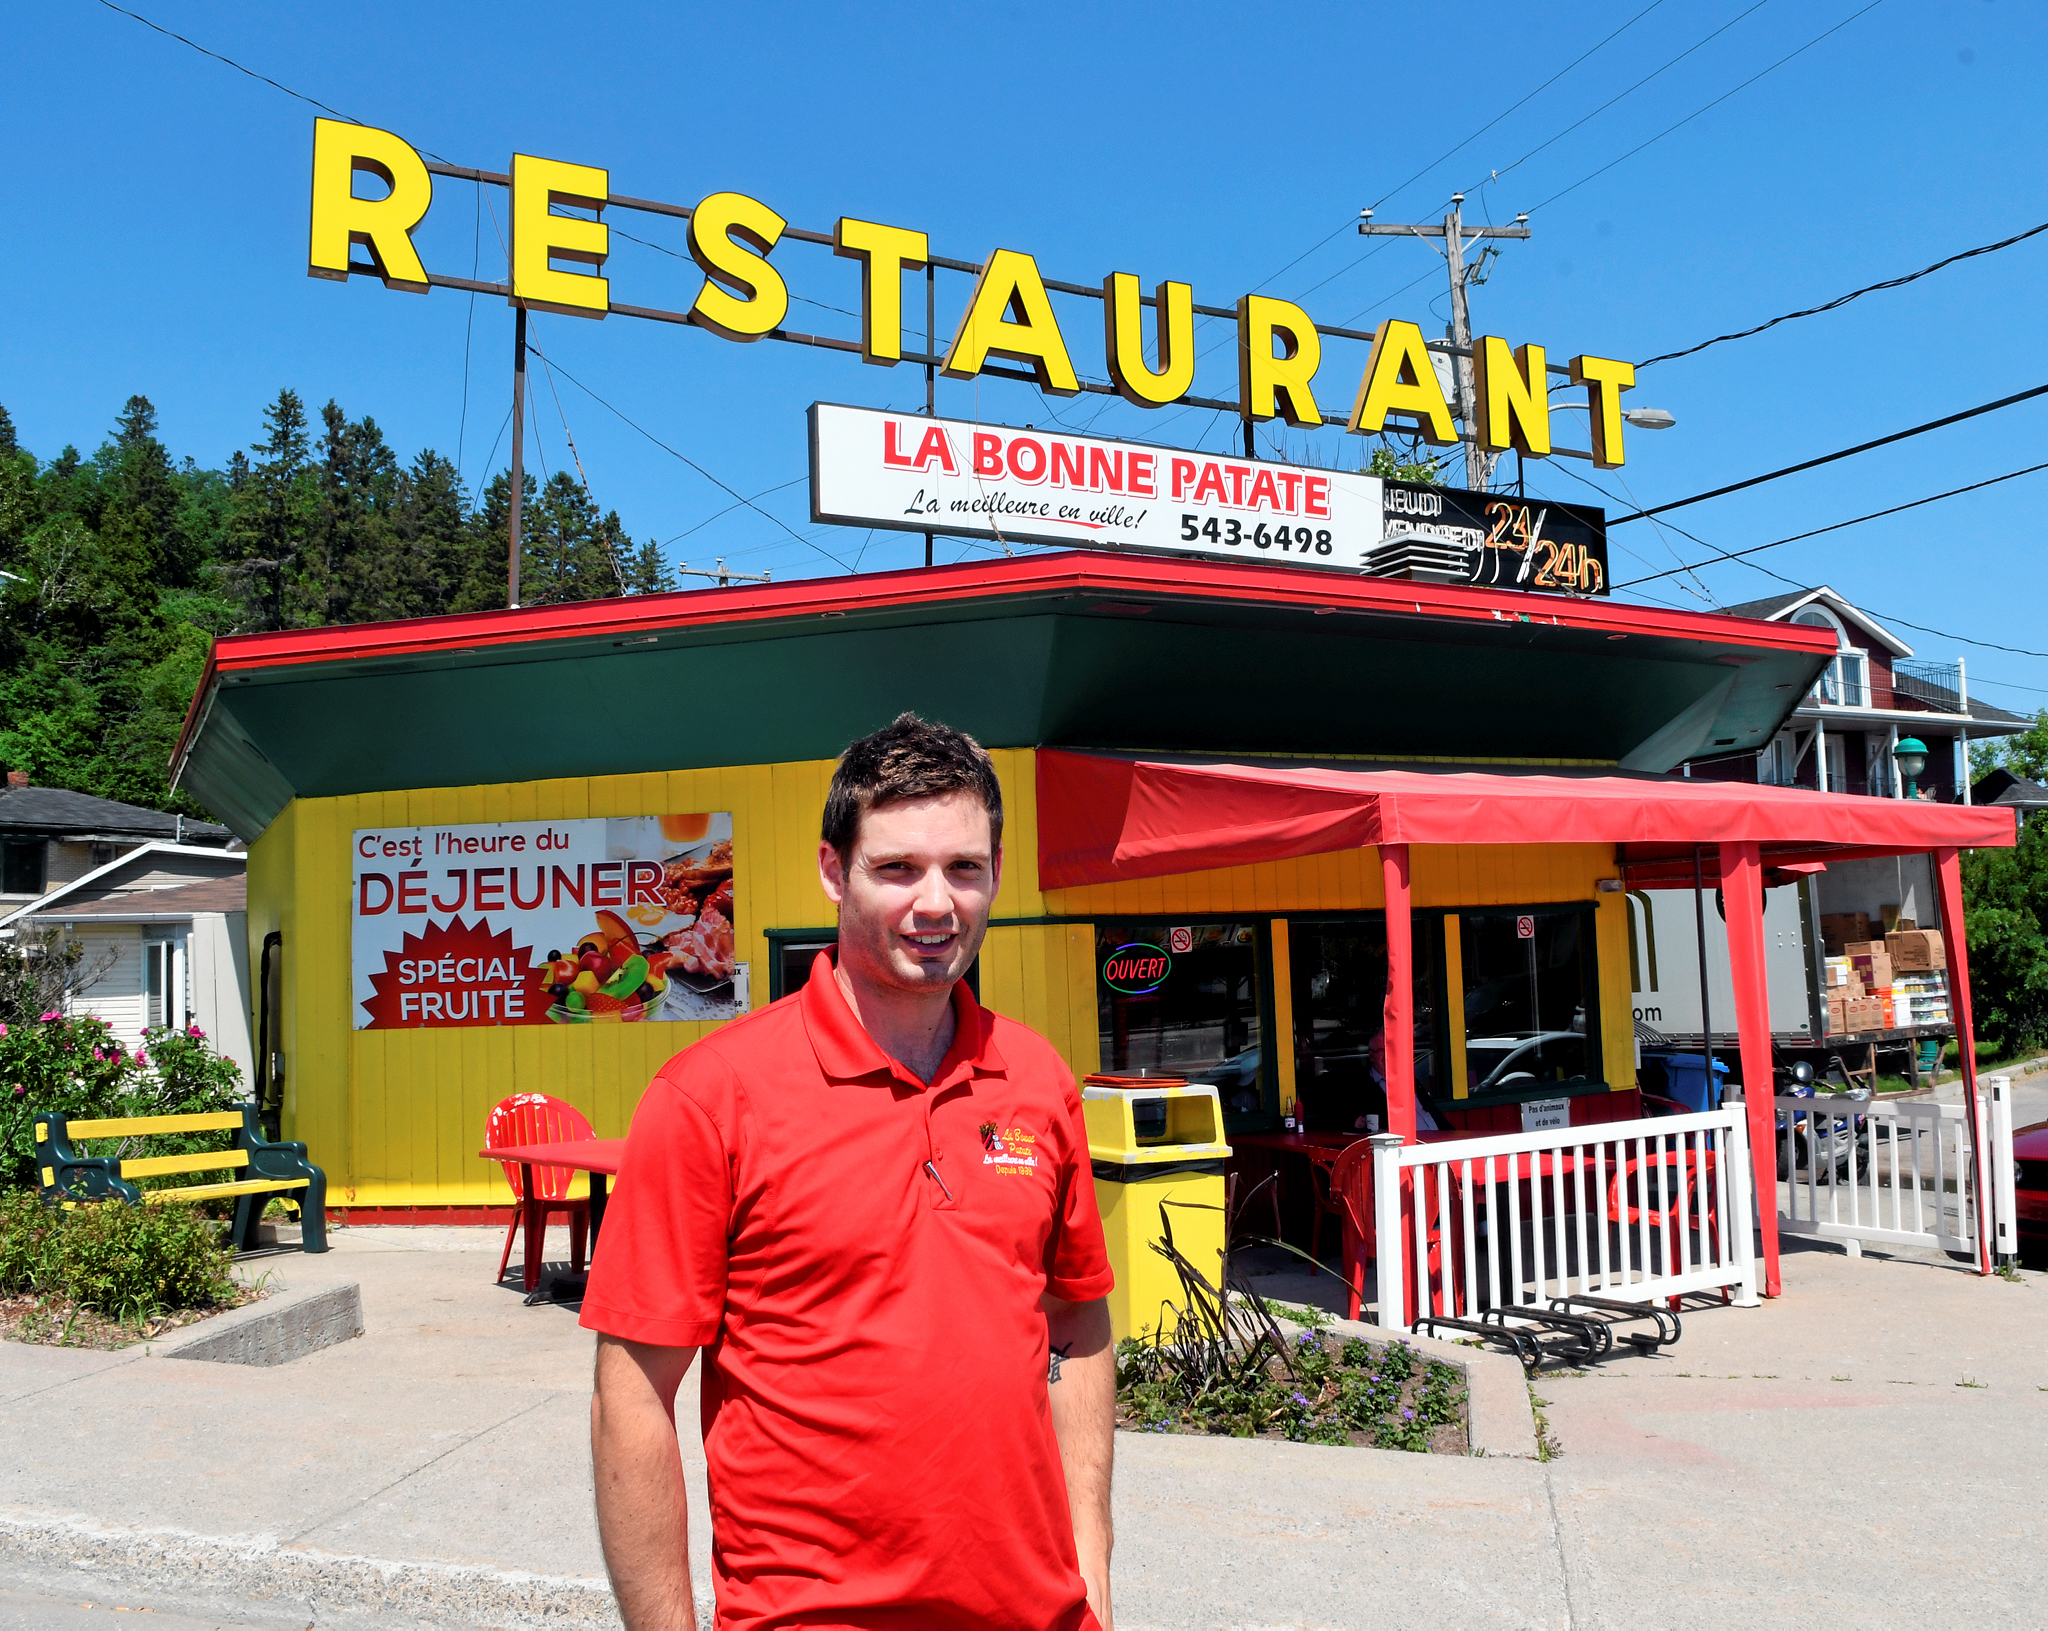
point(1870, 1448)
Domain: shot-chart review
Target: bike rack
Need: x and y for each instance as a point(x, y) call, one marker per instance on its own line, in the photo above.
point(1522, 1345)
point(1621, 1313)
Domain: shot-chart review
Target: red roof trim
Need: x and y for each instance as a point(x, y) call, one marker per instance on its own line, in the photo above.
point(922, 585)
point(1074, 571)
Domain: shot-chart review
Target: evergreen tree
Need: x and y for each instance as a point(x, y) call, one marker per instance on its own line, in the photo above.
point(433, 526)
point(647, 571)
point(125, 565)
point(271, 515)
point(566, 551)
point(482, 587)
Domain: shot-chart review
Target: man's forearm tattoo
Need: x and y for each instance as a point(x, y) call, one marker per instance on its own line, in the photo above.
point(1052, 1370)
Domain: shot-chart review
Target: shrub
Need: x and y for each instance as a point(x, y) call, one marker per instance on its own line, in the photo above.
point(74, 1065)
point(127, 1262)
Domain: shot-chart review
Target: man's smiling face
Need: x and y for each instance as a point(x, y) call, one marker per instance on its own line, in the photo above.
point(915, 891)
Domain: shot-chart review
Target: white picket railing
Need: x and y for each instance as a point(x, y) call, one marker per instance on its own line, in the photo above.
point(1629, 1210)
point(1897, 1172)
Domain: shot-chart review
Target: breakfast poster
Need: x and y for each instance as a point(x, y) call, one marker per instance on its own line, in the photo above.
point(606, 922)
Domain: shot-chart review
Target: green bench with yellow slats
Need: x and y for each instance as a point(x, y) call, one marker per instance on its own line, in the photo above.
point(272, 1169)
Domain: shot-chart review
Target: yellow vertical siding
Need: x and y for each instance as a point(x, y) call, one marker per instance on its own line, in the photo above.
point(1454, 1002)
point(1281, 1043)
point(397, 1117)
point(1617, 999)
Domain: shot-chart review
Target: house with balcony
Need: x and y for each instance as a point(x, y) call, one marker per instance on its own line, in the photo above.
point(1844, 736)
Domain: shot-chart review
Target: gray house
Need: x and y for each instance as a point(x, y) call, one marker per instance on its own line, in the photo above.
point(158, 902)
point(50, 836)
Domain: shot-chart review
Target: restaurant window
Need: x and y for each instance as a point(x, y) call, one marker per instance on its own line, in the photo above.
point(793, 953)
point(1182, 1000)
point(1339, 979)
point(1531, 1019)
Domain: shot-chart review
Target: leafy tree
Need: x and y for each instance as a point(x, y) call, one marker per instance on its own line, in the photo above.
point(2024, 755)
point(1390, 466)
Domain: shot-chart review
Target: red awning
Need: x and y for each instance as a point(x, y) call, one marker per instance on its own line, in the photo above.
point(1103, 819)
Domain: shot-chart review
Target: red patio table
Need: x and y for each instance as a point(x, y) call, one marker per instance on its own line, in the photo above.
point(600, 1157)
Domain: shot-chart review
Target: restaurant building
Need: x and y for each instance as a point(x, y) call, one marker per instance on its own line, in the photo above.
point(447, 817)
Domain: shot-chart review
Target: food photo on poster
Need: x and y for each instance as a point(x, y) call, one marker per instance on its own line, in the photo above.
point(618, 920)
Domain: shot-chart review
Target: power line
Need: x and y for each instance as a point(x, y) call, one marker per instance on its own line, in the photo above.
point(1830, 458)
point(742, 504)
point(1688, 119)
point(1757, 549)
point(1538, 91)
point(692, 463)
point(310, 101)
point(1495, 175)
point(1908, 623)
point(1854, 294)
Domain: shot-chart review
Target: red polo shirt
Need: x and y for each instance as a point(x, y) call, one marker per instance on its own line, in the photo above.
point(875, 1419)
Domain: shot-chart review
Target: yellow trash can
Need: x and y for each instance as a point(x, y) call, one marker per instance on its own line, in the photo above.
point(1153, 1141)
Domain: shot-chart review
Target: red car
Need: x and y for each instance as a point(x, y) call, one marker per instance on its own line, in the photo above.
point(2030, 1183)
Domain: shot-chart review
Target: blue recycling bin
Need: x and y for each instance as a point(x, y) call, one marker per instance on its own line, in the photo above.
point(1685, 1079)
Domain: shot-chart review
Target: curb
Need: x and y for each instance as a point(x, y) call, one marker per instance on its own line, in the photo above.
point(262, 1573)
point(1500, 1420)
point(275, 1331)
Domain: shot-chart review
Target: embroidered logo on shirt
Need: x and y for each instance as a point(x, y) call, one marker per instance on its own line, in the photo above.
point(1012, 1151)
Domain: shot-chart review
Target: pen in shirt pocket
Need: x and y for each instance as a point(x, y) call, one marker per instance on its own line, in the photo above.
point(934, 1171)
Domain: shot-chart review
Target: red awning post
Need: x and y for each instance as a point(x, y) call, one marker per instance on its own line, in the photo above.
point(1398, 1017)
point(1397, 1029)
point(1742, 893)
point(1948, 874)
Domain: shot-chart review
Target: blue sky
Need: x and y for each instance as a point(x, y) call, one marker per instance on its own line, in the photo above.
point(158, 228)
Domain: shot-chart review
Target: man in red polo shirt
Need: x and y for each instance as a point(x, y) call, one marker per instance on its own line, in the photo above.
point(870, 1206)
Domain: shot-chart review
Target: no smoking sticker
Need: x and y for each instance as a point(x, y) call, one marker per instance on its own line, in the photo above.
point(1525, 928)
point(1180, 940)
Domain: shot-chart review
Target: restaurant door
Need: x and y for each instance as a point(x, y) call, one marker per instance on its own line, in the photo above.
point(1339, 989)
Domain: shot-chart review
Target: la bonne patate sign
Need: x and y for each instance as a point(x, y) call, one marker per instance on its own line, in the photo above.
point(876, 468)
point(555, 263)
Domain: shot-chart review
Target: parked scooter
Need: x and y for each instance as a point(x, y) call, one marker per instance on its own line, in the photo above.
point(1849, 1135)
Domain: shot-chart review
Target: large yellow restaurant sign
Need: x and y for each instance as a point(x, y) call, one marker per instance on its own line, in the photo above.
point(1009, 314)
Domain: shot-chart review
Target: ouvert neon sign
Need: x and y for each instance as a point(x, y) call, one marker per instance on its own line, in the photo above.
point(557, 265)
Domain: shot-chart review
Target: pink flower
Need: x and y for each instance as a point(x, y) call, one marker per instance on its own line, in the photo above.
point(20, 1091)
point(51, 1014)
point(3, 1030)
point(141, 1058)
point(193, 1031)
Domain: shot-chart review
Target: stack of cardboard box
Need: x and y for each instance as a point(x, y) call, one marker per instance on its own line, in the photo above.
point(1882, 982)
point(1868, 997)
point(1841, 929)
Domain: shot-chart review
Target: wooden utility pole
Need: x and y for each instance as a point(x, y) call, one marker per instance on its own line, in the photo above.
point(1456, 238)
point(518, 457)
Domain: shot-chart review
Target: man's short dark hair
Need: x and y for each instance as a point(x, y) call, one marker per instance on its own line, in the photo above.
point(909, 758)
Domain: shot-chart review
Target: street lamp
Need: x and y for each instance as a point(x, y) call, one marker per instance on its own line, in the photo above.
point(1911, 753)
point(1641, 418)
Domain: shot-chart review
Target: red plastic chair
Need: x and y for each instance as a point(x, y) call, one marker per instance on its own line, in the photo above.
point(1351, 1200)
point(535, 1118)
point(1680, 1187)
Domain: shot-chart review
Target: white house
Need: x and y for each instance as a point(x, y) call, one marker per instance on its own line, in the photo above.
point(165, 931)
